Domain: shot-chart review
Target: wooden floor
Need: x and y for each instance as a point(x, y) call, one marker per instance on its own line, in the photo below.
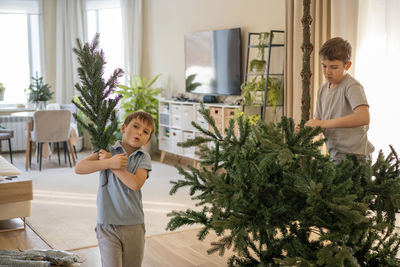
point(178, 249)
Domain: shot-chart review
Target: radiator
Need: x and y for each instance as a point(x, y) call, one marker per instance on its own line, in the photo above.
point(19, 125)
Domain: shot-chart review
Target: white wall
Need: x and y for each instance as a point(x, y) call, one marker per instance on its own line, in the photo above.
point(166, 22)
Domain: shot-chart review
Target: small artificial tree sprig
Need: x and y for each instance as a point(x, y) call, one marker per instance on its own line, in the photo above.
point(95, 100)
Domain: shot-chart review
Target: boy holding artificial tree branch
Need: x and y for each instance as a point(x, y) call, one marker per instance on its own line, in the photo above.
point(123, 170)
point(342, 108)
point(120, 220)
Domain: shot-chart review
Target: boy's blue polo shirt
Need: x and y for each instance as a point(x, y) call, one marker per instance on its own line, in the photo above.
point(116, 203)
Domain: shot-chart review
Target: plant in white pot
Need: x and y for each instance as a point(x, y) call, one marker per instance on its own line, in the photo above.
point(2, 90)
point(253, 91)
point(258, 65)
point(253, 94)
point(39, 92)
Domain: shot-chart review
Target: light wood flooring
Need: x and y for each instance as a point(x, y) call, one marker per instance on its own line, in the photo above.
point(178, 249)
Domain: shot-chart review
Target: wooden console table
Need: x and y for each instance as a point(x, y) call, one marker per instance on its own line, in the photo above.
point(15, 199)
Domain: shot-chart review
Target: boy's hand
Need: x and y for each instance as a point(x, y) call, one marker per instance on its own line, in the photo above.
point(118, 161)
point(103, 154)
point(297, 129)
point(314, 123)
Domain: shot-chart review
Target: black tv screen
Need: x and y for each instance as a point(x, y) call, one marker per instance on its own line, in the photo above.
point(212, 62)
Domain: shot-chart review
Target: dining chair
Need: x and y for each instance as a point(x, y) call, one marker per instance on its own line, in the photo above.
point(74, 125)
point(7, 134)
point(50, 126)
point(73, 131)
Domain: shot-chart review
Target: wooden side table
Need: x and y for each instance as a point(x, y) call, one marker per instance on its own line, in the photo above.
point(15, 200)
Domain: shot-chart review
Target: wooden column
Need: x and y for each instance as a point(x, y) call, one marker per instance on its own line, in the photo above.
point(307, 48)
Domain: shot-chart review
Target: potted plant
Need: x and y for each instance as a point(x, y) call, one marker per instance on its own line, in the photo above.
point(253, 91)
point(140, 95)
point(190, 84)
point(258, 65)
point(39, 92)
point(274, 98)
point(2, 90)
point(274, 94)
point(253, 95)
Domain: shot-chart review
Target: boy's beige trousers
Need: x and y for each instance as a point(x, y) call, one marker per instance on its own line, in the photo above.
point(121, 245)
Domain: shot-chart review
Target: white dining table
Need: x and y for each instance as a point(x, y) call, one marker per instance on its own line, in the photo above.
point(29, 116)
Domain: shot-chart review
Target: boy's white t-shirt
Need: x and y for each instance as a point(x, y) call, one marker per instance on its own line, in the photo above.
point(338, 102)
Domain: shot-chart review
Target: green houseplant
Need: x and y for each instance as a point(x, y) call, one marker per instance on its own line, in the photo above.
point(274, 92)
point(251, 89)
point(39, 92)
point(190, 84)
point(258, 65)
point(140, 95)
point(2, 90)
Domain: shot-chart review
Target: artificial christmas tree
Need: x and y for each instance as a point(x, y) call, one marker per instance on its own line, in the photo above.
point(272, 196)
point(95, 100)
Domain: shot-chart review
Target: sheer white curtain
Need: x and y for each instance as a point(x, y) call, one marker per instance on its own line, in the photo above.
point(376, 66)
point(132, 25)
point(21, 47)
point(70, 25)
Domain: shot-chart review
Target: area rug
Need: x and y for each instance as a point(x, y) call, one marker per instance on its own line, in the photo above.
point(64, 205)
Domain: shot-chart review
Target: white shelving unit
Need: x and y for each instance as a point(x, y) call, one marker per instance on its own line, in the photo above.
point(175, 124)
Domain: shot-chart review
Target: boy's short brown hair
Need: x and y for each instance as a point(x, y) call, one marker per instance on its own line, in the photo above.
point(143, 116)
point(336, 49)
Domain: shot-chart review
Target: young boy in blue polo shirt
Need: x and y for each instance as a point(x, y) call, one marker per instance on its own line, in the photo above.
point(120, 220)
point(342, 108)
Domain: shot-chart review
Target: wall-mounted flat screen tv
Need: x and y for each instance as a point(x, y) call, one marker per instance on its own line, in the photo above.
point(213, 62)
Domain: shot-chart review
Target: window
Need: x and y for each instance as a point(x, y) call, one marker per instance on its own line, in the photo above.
point(107, 21)
point(20, 50)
